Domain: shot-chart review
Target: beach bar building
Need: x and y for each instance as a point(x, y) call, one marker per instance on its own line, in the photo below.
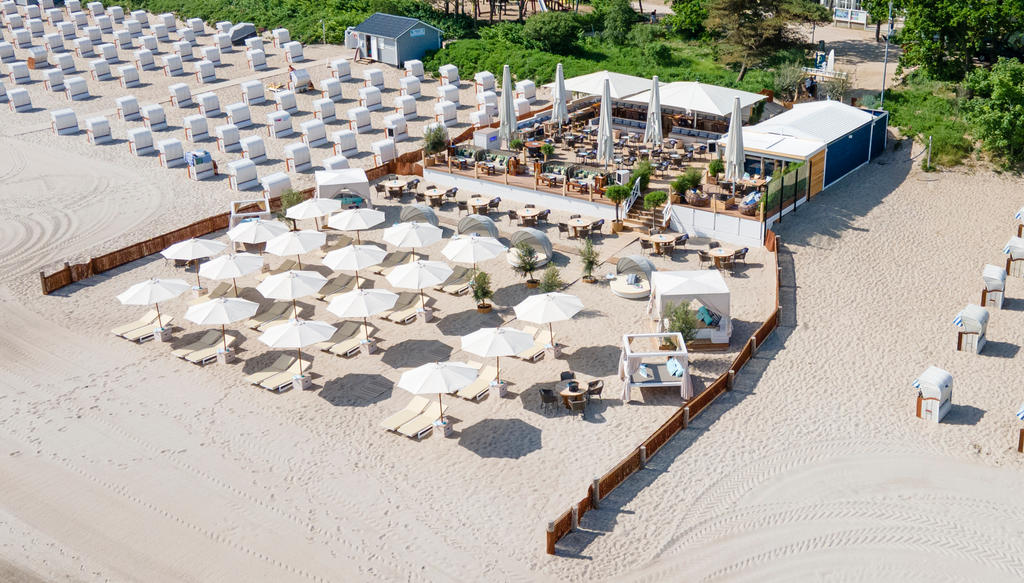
point(393, 39)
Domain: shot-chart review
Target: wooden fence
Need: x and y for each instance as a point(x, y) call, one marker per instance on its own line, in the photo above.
point(637, 459)
point(407, 163)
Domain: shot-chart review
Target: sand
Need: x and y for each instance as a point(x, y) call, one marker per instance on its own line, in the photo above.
point(125, 464)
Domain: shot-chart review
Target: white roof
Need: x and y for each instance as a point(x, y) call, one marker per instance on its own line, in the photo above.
point(699, 97)
point(621, 86)
point(784, 146)
point(707, 286)
point(824, 121)
point(331, 182)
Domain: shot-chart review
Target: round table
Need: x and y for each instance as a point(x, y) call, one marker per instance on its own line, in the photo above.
point(434, 195)
point(567, 393)
point(479, 205)
point(660, 239)
point(530, 213)
point(720, 253)
point(577, 224)
point(392, 185)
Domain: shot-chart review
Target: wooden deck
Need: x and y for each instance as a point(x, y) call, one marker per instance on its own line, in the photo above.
point(525, 180)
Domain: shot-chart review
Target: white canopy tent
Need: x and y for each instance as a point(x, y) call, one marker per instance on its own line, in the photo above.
point(696, 97)
point(330, 183)
point(635, 372)
point(620, 85)
point(706, 286)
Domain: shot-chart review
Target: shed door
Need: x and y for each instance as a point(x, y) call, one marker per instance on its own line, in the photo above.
point(388, 51)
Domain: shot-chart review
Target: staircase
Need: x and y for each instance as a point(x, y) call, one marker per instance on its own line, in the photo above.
point(638, 218)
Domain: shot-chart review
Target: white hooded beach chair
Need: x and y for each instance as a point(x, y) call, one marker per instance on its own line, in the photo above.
point(254, 149)
point(227, 138)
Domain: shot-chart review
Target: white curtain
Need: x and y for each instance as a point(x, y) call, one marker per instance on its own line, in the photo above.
point(628, 367)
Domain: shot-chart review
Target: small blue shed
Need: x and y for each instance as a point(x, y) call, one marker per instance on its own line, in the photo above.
point(395, 39)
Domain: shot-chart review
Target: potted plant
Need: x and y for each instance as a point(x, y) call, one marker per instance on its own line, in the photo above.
point(435, 140)
point(481, 286)
point(551, 280)
point(526, 263)
point(590, 259)
point(680, 319)
point(289, 198)
point(715, 167)
point(516, 145)
point(617, 194)
point(548, 150)
point(655, 199)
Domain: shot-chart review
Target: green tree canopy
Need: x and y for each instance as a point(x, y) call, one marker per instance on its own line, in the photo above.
point(687, 18)
point(555, 32)
point(996, 113)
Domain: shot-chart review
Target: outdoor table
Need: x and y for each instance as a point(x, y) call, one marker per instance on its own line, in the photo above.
point(577, 224)
point(479, 205)
point(660, 239)
point(490, 167)
point(551, 179)
point(568, 393)
point(529, 216)
point(720, 253)
point(434, 196)
point(395, 185)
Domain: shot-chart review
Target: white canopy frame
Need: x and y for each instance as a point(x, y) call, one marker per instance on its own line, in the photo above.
point(631, 359)
point(706, 286)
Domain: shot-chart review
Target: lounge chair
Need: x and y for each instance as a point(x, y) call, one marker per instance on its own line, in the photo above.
point(404, 310)
point(146, 332)
point(424, 422)
point(205, 349)
point(336, 285)
point(338, 243)
point(223, 288)
point(345, 341)
point(411, 411)
point(276, 313)
point(286, 265)
point(391, 260)
point(458, 282)
point(540, 342)
point(147, 322)
point(278, 376)
point(476, 390)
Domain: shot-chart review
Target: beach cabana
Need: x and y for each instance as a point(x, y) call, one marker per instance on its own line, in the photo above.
point(643, 363)
point(477, 225)
point(394, 39)
point(419, 213)
point(934, 394)
point(343, 184)
point(708, 290)
point(1014, 251)
point(994, 278)
point(632, 277)
point(971, 323)
point(534, 238)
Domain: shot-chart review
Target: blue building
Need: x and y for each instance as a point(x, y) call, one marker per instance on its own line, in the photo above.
point(395, 39)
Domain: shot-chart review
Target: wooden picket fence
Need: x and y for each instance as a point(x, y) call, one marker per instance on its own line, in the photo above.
point(408, 163)
point(637, 458)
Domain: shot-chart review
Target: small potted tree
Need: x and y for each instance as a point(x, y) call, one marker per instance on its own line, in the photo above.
point(435, 140)
point(590, 258)
point(526, 263)
point(289, 198)
point(681, 319)
point(715, 167)
point(617, 194)
point(481, 286)
point(654, 199)
point(551, 280)
point(547, 150)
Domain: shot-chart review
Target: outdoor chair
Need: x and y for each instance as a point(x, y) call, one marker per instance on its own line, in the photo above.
point(667, 249)
point(512, 216)
point(595, 227)
point(726, 263)
point(379, 188)
point(451, 192)
point(583, 232)
point(412, 185)
point(543, 216)
point(578, 406)
point(567, 375)
point(531, 206)
point(563, 229)
point(703, 257)
point(741, 255)
point(493, 205)
point(646, 246)
point(714, 245)
point(681, 241)
point(463, 206)
point(420, 197)
point(594, 388)
point(574, 217)
point(548, 398)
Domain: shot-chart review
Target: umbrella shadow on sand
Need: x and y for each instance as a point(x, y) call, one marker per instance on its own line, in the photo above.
point(357, 390)
point(501, 438)
point(511, 295)
point(467, 322)
point(597, 361)
point(411, 353)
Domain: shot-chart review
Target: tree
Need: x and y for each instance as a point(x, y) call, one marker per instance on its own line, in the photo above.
point(788, 77)
point(617, 17)
point(481, 287)
point(526, 262)
point(687, 19)
point(751, 31)
point(435, 139)
point(554, 32)
point(879, 12)
point(551, 280)
point(290, 198)
point(589, 257)
point(617, 194)
point(653, 200)
point(996, 112)
point(681, 319)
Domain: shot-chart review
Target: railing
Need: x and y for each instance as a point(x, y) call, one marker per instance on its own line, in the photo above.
point(633, 196)
point(680, 420)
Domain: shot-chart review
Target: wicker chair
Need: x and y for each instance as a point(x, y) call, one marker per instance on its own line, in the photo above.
point(543, 215)
point(563, 229)
point(703, 257)
point(513, 216)
point(741, 255)
point(578, 406)
point(567, 375)
point(594, 388)
point(548, 398)
point(646, 246)
point(463, 206)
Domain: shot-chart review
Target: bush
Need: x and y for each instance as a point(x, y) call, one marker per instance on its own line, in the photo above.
point(526, 261)
point(435, 140)
point(716, 167)
point(788, 78)
point(516, 144)
point(589, 257)
point(510, 32)
point(688, 180)
point(642, 173)
point(687, 19)
point(681, 319)
point(551, 280)
point(923, 109)
point(481, 286)
point(618, 19)
point(654, 199)
point(555, 32)
point(996, 112)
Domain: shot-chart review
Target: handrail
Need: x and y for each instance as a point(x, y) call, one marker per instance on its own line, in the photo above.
point(634, 195)
point(666, 213)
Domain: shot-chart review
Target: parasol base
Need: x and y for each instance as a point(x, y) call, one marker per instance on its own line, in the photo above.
point(226, 357)
point(162, 334)
point(302, 382)
point(498, 389)
point(200, 291)
point(426, 314)
point(552, 351)
point(368, 347)
point(443, 429)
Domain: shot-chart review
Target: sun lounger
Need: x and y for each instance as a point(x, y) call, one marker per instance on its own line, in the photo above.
point(411, 411)
point(404, 310)
point(424, 422)
point(205, 349)
point(278, 376)
point(345, 341)
point(146, 321)
point(276, 313)
point(536, 351)
point(391, 260)
point(476, 390)
point(336, 285)
point(337, 243)
point(146, 332)
point(458, 282)
point(223, 288)
point(286, 265)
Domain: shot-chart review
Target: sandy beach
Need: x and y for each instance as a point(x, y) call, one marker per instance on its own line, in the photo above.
point(123, 463)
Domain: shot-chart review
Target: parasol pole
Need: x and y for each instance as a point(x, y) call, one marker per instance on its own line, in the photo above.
point(551, 334)
point(295, 310)
point(223, 337)
point(198, 283)
point(159, 321)
point(235, 283)
point(299, 258)
point(366, 329)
